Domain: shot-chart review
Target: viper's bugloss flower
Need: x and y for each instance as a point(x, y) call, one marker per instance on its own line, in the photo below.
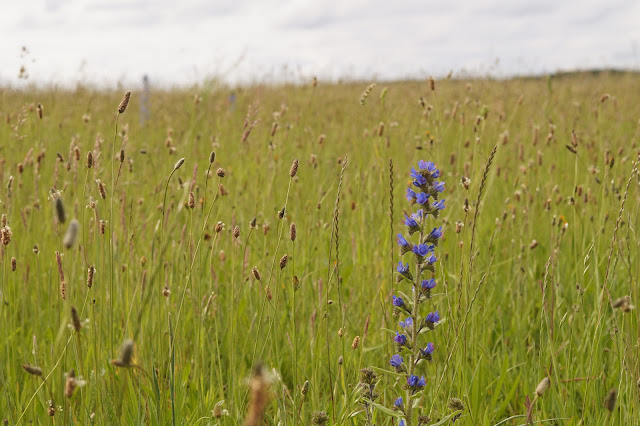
point(396, 361)
point(407, 323)
point(399, 403)
point(403, 269)
point(432, 319)
point(422, 197)
point(438, 205)
point(427, 352)
point(418, 179)
point(410, 222)
point(418, 215)
point(401, 423)
point(430, 167)
point(428, 284)
point(438, 186)
point(422, 250)
point(411, 196)
point(397, 301)
point(404, 244)
point(434, 235)
point(400, 339)
point(416, 382)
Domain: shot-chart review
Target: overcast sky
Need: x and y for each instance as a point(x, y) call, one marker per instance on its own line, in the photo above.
point(183, 42)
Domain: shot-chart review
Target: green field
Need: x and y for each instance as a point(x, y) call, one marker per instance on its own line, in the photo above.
point(525, 288)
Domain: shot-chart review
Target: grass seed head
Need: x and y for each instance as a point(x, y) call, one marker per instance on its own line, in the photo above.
point(283, 261)
point(75, 319)
point(610, 400)
point(126, 355)
point(71, 235)
point(294, 168)
point(124, 102)
point(91, 271)
point(32, 369)
point(178, 164)
point(543, 386)
point(292, 231)
point(256, 273)
point(259, 396)
point(60, 214)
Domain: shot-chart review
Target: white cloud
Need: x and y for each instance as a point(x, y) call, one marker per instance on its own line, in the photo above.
point(105, 42)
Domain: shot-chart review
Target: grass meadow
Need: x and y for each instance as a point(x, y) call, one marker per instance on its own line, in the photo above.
point(202, 310)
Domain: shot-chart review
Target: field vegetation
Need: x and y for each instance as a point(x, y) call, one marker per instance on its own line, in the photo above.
point(229, 255)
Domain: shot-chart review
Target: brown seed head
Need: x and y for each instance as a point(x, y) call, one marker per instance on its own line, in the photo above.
point(14, 264)
point(219, 227)
point(60, 210)
point(296, 282)
point(466, 182)
point(102, 189)
point(70, 384)
point(610, 400)
point(40, 111)
point(75, 319)
point(236, 231)
point(212, 157)
point(32, 369)
point(192, 200)
point(355, 343)
point(126, 355)
point(5, 235)
point(220, 172)
point(267, 291)
point(305, 387)
point(124, 102)
point(259, 397)
point(121, 156)
point(91, 271)
point(294, 168)
point(253, 223)
point(292, 231)
point(283, 261)
point(89, 160)
point(256, 273)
